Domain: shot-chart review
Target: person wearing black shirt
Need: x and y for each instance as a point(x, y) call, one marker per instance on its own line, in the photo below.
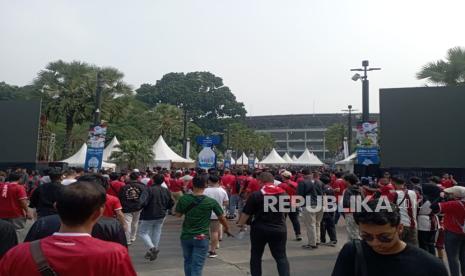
point(382, 252)
point(8, 237)
point(267, 227)
point(327, 224)
point(44, 197)
point(107, 229)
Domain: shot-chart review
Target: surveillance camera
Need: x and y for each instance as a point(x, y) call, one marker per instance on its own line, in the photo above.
point(356, 77)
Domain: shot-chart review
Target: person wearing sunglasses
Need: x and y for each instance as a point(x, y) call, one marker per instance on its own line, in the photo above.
point(381, 251)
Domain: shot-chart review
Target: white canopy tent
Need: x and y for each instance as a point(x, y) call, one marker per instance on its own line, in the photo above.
point(294, 158)
point(287, 158)
point(347, 164)
point(243, 160)
point(164, 156)
point(273, 158)
point(79, 158)
point(112, 147)
point(308, 159)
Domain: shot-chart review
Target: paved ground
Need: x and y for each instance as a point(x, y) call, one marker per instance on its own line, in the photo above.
point(233, 256)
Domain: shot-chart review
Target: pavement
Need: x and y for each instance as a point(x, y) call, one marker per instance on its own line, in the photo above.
point(233, 255)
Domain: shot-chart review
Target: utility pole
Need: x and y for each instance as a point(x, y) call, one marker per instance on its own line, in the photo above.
point(98, 98)
point(184, 139)
point(349, 127)
point(365, 88)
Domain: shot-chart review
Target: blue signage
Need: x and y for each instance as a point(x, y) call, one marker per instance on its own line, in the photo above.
point(208, 141)
point(368, 156)
point(251, 161)
point(95, 146)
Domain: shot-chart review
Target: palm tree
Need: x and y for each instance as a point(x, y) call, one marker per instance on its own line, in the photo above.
point(68, 92)
point(133, 154)
point(167, 122)
point(449, 72)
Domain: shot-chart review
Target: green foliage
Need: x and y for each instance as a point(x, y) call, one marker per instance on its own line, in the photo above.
point(244, 139)
point(13, 92)
point(133, 154)
point(449, 72)
point(335, 137)
point(201, 93)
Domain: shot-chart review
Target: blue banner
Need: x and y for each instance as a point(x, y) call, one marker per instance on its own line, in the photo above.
point(368, 156)
point(95, 147)
point(207, 158)
point(251, 161)
point(208, 141)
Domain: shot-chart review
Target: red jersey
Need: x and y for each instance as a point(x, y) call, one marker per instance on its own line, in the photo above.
point(228, 181)
point(252, 185)
point(341, 185)
point(241, 180)
point(447, 183)
point(10, 196)
point(176, 185)
point(289, 186)
point(112, 204)
point(70, 254)
point(454, 216)
point(114, 187)
point(386, 190)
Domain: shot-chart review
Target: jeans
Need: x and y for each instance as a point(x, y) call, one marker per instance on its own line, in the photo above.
point(455, 250)
point(277, 243)
point(235, 201)
point(195, 253)
point(327, 225)
point(294, 217)
point(312, 222)
point(150, 232)
point(132, 220)
point(426, 241)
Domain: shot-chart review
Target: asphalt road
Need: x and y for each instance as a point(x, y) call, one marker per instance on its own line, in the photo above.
point(233, 256)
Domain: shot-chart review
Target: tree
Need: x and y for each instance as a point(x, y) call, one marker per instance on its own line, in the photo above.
point(12, 92)
point(68, 89)
point(133, 154)
point(244, 139)
point(203, 95)
point(335, 137)
point(167, 122)
point(449, 72)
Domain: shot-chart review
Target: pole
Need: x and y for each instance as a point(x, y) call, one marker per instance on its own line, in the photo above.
point(184, 139)
point(98, 98)
point(365, 101)
point(349, 130)
point(227, 138)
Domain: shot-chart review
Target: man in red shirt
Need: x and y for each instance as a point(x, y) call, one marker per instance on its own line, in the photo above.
point(13, 202)
point(115, 185)
point(448, 181)
point(228, 181)
point(176, 187)
point(339, 186)
point(291, 189)
point(72, 251)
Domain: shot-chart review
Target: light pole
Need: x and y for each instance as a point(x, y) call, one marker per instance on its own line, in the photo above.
point(184, 138)
point(349, 127)
point(365, 88)
point(98, 98)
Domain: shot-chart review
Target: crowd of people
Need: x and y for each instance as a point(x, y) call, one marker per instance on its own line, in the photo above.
point(78, 217)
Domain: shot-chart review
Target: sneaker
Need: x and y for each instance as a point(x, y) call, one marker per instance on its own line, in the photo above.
point(298, 238)
point(133, 240)
point(310, 247)
point(212, 254)
point(154, 254)
point(148, 255)
point(332, 243)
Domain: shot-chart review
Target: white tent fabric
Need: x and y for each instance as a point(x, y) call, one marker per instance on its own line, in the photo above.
point(273, 159)
point(243, 160)
point(112, 147)
point(163, 153)
point(308, 159)
point(294, 158)
point(287, 158)
point(348, 160)
point(256, 160)
point(79, 158)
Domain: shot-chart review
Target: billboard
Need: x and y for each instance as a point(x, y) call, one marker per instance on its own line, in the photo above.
point(422, 127)
point(19, 121)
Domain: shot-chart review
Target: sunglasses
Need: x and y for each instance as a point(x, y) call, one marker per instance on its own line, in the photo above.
point(384, 238)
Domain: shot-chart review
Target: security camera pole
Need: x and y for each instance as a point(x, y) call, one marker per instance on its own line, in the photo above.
point(365, 88)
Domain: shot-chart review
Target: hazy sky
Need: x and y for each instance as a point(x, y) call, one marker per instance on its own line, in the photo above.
point(278, 57)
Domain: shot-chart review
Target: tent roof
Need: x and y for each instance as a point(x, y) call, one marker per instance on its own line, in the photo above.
point(112, 147)
point(162, 153)
point(273, 158)
point(79, 158)
point(309, 159)
point(294, 158)
point(347, 160)
point(287, 158)
point(243, 160)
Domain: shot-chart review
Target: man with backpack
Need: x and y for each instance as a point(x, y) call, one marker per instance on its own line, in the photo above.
point(197, 209)
point(133, 197)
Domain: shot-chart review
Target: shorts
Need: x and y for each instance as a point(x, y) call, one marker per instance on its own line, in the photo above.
point(215, 225)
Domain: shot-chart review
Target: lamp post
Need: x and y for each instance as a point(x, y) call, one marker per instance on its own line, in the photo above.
point(349, 127)
point(365, 88)
point(98, 98)
point(184, 138)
